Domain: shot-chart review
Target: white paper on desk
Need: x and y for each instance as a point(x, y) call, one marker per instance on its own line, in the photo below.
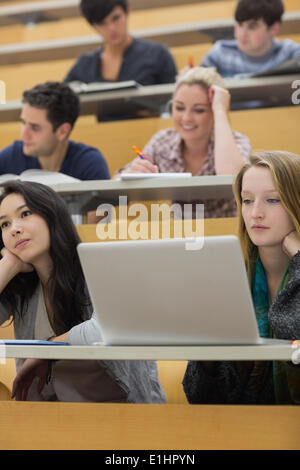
point(138, 176)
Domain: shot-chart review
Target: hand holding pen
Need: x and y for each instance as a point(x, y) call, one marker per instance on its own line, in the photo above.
point(141, 164)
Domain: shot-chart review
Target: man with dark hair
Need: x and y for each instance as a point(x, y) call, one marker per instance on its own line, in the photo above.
point(48, 115)
point(254, 49)
point(121, 57)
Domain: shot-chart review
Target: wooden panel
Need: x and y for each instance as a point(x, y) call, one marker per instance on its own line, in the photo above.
point(48, 10)
point(138, 20)
point(121, 426)
point(32, 74)
point(7, 330)
point(4, 392)
point(164, 16)
point(270, 128)
point(7, 374)
point(7, 366)
point(37, 72)
point(280, 133)
point(171, 375)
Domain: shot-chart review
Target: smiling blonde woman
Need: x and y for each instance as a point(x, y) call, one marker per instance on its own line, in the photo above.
point(201, 140)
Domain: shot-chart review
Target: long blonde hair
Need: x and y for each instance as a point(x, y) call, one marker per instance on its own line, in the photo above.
point(285, 171)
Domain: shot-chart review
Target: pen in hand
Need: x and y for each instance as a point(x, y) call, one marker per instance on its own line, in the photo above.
point(140, 153)
point(145, 166)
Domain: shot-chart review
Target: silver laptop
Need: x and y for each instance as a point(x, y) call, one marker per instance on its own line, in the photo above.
point(170, 292)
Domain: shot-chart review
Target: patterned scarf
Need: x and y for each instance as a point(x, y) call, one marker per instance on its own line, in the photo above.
point(286, 376)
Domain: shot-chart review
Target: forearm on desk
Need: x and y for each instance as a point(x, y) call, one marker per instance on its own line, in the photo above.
point(87, 332)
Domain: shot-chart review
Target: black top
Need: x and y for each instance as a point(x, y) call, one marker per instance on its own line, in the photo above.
point(146, 62)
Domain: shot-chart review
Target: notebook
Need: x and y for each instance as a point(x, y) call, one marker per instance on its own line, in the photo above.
point(168, 292)
point(96, 87)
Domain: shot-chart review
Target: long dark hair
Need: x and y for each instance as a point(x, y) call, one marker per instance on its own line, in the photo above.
point(66, 287)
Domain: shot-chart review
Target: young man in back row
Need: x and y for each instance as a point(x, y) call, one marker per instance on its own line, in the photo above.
point(121, 57)
point(48, 115)
point(254, 49)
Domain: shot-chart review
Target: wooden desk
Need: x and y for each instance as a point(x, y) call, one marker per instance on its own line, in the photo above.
point(87, 195)
point(53, 10)
point(170, 35)
point(84, 426)
point(273, 89)
point(281, 132)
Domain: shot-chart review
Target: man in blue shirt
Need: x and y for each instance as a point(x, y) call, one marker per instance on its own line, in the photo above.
point(254, 49)
point(48, 115)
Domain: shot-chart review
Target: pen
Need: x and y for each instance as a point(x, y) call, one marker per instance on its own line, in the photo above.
point(140, 153)
point(191, 61)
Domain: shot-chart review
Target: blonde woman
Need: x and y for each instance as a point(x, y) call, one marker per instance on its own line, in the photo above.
point(201, 140)
point(267, 193)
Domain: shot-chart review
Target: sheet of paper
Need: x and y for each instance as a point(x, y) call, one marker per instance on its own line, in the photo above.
point(138, 176)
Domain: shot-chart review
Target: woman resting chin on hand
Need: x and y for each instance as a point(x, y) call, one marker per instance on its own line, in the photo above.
point(42, 283)
point(267, 194)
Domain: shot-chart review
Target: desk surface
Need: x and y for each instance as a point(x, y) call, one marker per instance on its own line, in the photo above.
point(276, 89)
point(282, 350)
point(87, 195)
point(51, 10)
point(186, 189)
point(86, 426)
point(173, 35)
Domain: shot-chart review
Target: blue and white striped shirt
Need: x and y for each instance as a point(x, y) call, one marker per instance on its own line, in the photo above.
point(230, 61)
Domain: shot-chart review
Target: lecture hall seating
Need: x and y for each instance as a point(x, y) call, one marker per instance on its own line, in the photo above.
point(174, 426)
point(172, 26)
point(269, 128)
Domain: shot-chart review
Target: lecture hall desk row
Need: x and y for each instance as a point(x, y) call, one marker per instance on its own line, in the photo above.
point(163, 16)
point(267, 129)
point(86, 426)
point(175, 27)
